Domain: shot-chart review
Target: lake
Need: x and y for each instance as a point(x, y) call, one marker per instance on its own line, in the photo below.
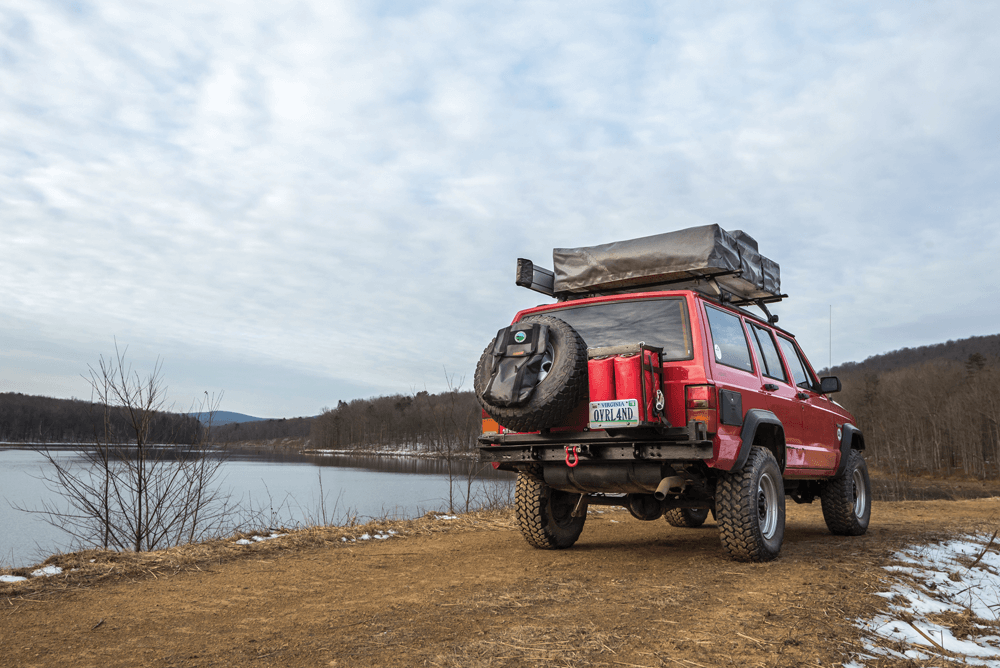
point(284, 487)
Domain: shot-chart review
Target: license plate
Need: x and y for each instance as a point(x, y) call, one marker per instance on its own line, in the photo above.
point(615, 413)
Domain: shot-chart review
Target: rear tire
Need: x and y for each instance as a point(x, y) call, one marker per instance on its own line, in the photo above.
point(847, 499)
point(750, 508)
point(686, 518)
point(544, 515)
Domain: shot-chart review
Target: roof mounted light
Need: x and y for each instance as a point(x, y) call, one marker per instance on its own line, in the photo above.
point(535, 278)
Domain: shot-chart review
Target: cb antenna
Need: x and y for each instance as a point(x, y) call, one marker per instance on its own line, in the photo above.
point(831, 339)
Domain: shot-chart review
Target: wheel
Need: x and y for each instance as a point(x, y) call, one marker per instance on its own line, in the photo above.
point(847, 499)
point(545, 515)
point(689, 518)
point(750, 508)
point(561, 387)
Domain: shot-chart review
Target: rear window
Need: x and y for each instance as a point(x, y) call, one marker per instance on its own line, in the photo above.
point(657, 322)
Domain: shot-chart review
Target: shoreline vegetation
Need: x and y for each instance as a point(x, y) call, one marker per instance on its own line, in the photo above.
point(87, 567)
point(94, 565)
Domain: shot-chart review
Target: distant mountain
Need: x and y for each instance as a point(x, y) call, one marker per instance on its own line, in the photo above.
point(227, 417)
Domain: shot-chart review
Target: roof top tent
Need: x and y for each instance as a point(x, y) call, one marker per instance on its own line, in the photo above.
point(723, 265)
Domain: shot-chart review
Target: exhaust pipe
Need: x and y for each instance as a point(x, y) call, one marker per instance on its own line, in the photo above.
point(670, 485)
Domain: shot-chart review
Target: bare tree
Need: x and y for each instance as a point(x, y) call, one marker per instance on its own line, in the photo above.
point(125, 492)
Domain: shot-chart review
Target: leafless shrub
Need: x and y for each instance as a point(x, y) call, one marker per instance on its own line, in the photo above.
point(125, 492)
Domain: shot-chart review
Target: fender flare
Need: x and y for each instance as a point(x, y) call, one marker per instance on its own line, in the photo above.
point(849, 431)
point(753, 419)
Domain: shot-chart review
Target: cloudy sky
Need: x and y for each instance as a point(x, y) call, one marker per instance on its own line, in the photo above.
point(301, 202)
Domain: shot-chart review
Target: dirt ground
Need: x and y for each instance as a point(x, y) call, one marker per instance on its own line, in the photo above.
point(630, 593)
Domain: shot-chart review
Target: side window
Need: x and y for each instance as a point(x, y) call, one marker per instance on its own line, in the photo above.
point(772, 361)
point(729, 341)
point(760, 356)
point(799, 373)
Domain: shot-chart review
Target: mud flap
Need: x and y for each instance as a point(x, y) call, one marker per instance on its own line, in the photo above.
point(518, 353)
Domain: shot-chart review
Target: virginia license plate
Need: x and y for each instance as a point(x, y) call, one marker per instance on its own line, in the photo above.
point(615, 413)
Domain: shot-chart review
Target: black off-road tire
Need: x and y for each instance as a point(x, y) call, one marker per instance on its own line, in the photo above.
point(544, 515)
point(556, 395)
point(847, 499)
point(750, 508)
point(686, 518)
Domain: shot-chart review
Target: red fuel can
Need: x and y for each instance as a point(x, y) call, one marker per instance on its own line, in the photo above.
point(628, 380)
point(635, 380)
point(601, 373)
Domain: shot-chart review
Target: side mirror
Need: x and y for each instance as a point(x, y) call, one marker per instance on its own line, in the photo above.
point(829, 385)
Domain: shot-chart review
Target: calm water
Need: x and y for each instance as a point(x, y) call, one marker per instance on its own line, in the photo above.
point(282, 486)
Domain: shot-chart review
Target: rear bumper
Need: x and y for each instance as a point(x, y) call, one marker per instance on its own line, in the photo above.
point(669, 445)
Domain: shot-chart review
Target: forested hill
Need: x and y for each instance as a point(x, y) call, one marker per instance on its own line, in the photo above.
point(261, 430)
point(445, 421)
point(930, 409)
point(985, 347)
point(434, 421)
point(441, 422)
point(26, 418)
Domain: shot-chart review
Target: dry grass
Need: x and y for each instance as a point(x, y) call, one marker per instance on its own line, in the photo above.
point(89, 567)
point(927, 487)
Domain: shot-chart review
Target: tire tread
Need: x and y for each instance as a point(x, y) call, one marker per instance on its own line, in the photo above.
point(531, 496)
point(552, 401)
point(837, 500)
point(739, 529)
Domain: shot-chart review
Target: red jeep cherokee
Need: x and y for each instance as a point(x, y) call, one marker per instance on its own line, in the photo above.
point(670, 403)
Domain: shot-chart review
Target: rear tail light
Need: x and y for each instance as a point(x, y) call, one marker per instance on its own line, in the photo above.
point(490, 426)
point(701, 404)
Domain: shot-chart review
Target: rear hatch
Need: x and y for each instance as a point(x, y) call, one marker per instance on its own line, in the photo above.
point(612, 327)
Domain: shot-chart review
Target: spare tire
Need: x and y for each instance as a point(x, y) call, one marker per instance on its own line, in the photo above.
point(559, 390)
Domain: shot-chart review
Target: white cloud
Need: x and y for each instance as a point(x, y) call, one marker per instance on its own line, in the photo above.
point(326, 190)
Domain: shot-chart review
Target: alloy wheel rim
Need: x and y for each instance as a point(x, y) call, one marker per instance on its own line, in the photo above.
point(767, 506)
point(546, 365)
point(860, 495)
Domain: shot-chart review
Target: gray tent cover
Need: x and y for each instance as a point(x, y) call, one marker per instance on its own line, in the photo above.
point(685, 258)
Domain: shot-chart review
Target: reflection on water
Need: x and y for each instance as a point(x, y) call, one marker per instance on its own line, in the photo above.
point(282, 487)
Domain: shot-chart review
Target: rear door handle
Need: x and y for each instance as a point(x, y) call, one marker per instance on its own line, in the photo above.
point(801, 395)
point(770, 387)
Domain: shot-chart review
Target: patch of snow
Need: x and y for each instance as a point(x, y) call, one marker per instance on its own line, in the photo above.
point(12, 578)
point(364, 537)
point(258, 539)
point(446, 517)
point(46, 571)
point(932, 579)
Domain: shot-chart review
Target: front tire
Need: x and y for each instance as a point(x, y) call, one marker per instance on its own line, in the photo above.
point(847, 499)
point(687, 518)
point(545, 515)
point(750, 508)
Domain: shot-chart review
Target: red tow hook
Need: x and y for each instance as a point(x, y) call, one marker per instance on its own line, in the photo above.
point(574, 450)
